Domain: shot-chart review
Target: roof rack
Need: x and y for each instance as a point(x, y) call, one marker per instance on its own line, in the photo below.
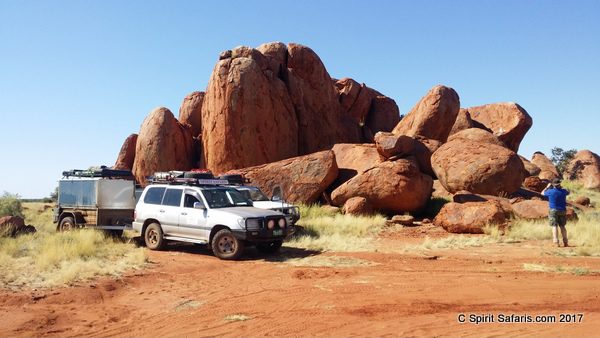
point(179, 177)
point(103, 171)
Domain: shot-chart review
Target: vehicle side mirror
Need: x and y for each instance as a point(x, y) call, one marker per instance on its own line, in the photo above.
point(198, 205)
point(277, 194)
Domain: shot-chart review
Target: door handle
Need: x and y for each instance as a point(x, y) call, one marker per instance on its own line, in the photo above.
point(184, 213)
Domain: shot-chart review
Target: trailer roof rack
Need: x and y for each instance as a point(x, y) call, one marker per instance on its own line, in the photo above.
point(100, 172)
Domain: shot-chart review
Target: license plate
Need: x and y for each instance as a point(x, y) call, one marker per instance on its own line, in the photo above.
point(277, 232)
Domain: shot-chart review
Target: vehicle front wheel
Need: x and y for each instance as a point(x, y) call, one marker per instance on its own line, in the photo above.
point(269, 248)
point(226, 246)
point(153, 237)
point(67, 224)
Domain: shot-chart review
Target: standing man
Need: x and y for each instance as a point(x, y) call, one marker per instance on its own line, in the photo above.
point(557, 198)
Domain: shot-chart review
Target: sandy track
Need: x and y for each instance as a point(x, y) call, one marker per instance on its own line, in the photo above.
point(188, 292)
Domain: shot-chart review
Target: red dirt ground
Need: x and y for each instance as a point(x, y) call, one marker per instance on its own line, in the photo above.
point(188, 292)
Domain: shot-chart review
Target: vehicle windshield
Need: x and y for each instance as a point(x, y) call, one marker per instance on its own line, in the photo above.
point(225, 198)
point(253, 194)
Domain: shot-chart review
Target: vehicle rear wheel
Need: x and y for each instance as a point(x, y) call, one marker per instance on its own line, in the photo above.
point(153, 237)
point(269, 248)
point(226, 246)
point(67, 224)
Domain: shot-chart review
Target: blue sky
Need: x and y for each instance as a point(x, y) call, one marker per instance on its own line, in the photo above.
point(77, 77)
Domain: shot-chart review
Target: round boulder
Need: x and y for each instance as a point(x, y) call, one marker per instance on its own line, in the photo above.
point(470, 217)
point(357, 206)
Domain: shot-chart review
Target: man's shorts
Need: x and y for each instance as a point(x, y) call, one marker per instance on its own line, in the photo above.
point(557, 217)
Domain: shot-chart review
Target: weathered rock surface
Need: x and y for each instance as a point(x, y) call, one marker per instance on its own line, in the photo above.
point(190, 112)
point(247, 115)
point(547, 169)
point(395, 187)
point(389, 145)
point(477, 135)
point(424, 149)
point(535, 183)
point(507, 120)
point(357, 206)
point(439, 191)
point(11, 226)
point(405, 220)
point(532, 169)
point(531, 209)
point(470, 217)
point(126, 156)
point(585, 168)
point(163, 144)
point(302, 179)
point(353, 159)
point(466, 197)
point(463, 121)
point(383, 115)
point(433, 116)
point(481, 168)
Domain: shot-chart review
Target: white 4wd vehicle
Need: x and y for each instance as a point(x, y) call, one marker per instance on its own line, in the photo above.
point(260, 200)
point(206, 214)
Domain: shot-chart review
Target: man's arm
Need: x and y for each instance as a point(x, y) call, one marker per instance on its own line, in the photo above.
point(546, 188)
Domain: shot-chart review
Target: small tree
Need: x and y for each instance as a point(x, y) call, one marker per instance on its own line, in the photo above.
point(10, 205)
point(561, 158)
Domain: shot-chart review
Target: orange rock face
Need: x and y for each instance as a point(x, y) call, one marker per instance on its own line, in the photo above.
point(478, 167)
point(302, 179)
point(547, 169)
point(163, 144)
point(532, 169)
point(470, 217)
point(394, 187)
point(353, 159)
point(477, 135)
point(357, 206)
point(585, 168)
point(507, 120)
point(190, 112)
point(127, 154)
point(433, 116)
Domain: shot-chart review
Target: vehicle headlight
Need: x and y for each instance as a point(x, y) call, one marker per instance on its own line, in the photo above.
point(281, 223)
point(252, 224)
point(271, 224)
point(241, 222)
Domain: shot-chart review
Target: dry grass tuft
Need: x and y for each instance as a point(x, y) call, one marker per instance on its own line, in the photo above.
point(237, 318)
point(329, 261)
point(576, 270)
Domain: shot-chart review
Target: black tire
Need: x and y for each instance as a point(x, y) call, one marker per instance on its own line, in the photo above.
point(67, 224)
point(154, 238)
point(226, 246)
point(269, 248)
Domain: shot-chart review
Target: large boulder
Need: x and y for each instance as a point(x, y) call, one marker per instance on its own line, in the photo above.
point(463, 121)
point(481, 168)
point(535, 183)
point(11, 225)
point(470, 217)
point(302, 179)
point(247, 115)
point(190, 112)
point(433, 116)
point(547, 169)
point(531, 209)
point(394, 187)
point(585, 168)
point(357, 206)
point(162, 144)
point(424, 149)
point(389, 145)
point(466, 196)
point(477, 135)
point(126, 156)
point(532, 169)
point(353, 159)
point(383, 115)
point(507, 120)
point(355, 99)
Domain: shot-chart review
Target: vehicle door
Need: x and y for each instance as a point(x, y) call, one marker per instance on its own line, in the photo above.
point(170, 209)
point(192, 221)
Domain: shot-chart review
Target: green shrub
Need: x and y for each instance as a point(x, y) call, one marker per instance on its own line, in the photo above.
point(10, 205)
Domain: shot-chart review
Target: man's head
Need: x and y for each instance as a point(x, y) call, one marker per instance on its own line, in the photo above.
point(556, 182)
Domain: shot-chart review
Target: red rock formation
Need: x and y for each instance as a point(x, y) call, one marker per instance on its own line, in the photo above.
point(127, 154)
point(389, 145)
point(507, 120)
point(548, 170)
point(302, 179)
point(433, 116)
point(535, 183)
point(353, 159)
point(477, 135)
point(357, 206)
point(163, 144)
point(585, 168)
point(470, 217)
point(383, 115)
point(481, 168)
point(394, 187)
point(190, 112)
point(532, 169)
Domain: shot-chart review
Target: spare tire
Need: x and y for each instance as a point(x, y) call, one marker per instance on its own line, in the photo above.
point(233, 178)
point(197, 175)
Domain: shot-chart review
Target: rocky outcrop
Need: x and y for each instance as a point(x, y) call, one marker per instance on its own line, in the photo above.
point(424, 149)
point(353, 159)
point(535, 183)
point(547, 169)
point(357, 206)
point(585, 168)
point(433, 116)
point(463, 121)
point(190, 112)
point(389, 145)
point(481, 168)
point(532, 169)
point(466, 197)
point(477, 135)
point(470, 217)
point(163, 144)
point(394, 187)
point(247, 115)
point(383, 115)
point(126, 156)
point(302, 179)
point(507, 120)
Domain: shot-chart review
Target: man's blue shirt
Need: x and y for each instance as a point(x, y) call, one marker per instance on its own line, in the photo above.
point(557, 198)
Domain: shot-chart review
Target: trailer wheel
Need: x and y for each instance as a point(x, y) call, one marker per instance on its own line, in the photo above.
point(67, 224)
point(153, 237)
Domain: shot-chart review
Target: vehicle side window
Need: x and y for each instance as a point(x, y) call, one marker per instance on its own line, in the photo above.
point(189, 200)
point(172, 197)
point(154, 195)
